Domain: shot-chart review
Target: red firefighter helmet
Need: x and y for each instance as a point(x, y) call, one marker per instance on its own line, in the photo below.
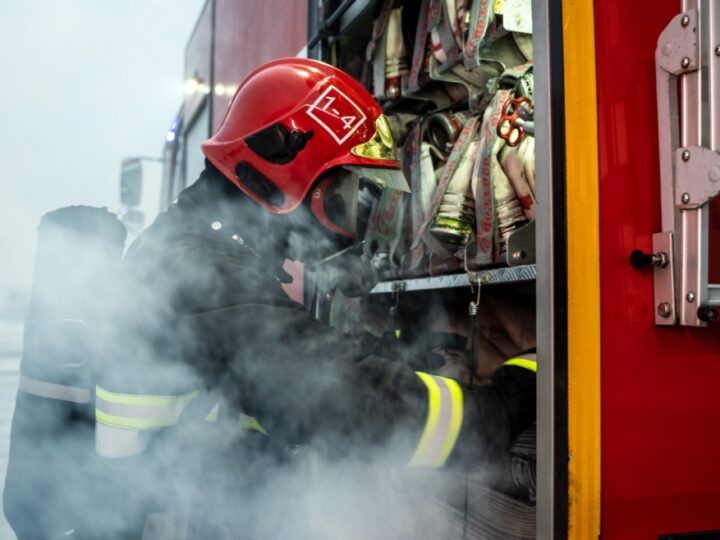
point(291, 121)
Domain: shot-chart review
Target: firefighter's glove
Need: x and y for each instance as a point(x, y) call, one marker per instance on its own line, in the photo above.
point(443, 353)
point(349, 274)
point(516, 387)
point(416, 355)
point(454, 364)
point(495, 415)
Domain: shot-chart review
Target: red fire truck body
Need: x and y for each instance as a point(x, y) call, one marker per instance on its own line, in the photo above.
point(230, 39)
point(659, 407)
point(628, 410)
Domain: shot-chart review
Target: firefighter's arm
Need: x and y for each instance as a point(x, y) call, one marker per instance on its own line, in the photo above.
point(306, 383)
point(482, 422)
point(466, 426)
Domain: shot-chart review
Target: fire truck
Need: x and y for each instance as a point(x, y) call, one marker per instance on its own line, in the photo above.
point(614, 249)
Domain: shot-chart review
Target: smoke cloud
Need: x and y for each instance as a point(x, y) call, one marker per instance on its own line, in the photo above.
point(192, 310)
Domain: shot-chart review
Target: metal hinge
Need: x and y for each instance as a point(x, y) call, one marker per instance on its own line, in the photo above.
point(687, 57)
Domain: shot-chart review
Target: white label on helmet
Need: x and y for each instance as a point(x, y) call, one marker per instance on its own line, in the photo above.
point(337, 114)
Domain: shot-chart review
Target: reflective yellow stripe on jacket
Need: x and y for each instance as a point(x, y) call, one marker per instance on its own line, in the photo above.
point(528, 361)
point(445, 415)
point(135, 411)
point(442, 427)
point(124, 422)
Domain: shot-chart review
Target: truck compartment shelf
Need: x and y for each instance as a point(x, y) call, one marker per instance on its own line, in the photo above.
point(512, 274)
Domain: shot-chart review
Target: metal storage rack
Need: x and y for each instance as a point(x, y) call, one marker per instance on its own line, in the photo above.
point(512, 274)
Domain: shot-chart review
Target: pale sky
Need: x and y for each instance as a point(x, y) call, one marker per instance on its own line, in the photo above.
point(83, 83)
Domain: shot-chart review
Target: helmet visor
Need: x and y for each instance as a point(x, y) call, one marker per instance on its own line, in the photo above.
point(339, 203)
point(382, 177)
point(344, 202)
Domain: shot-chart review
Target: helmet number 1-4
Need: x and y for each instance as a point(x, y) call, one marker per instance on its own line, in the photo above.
point(337, 114)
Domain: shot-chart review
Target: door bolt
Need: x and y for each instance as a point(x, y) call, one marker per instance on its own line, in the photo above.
point(664, 310)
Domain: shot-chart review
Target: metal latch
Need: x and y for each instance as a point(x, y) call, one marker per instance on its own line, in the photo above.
point(687, 58)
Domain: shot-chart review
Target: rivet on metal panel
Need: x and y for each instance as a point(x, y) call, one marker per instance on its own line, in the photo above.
point(685, 20)
point(714, 173)
point(686, 155)
point(664, 310)
point(518, 255)
point(690, 297)
point(685, 62)
point(685, 198)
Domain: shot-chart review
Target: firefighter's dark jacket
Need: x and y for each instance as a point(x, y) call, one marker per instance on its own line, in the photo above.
point(205, 311)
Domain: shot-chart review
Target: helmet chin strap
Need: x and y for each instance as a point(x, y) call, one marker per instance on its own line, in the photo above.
point(306, 239)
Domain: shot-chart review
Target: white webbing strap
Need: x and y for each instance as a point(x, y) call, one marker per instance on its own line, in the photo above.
point(374, 68)
point(482, 184)
point(444, 420)
point(443, 33)
point(416, 168)
point(466, 136)
point(421, 35)
point(482, 31)
point(385, 224)
point(61, 392)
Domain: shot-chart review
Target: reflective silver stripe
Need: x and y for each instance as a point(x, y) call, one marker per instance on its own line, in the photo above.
point(124, 422)
point(50, 390)
point(115, 442)
point(442, 427)
point(139, 411)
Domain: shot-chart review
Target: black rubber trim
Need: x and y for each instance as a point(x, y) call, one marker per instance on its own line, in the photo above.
point(560, 285)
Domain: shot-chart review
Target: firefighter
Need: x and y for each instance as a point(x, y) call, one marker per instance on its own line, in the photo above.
point(204, 336)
